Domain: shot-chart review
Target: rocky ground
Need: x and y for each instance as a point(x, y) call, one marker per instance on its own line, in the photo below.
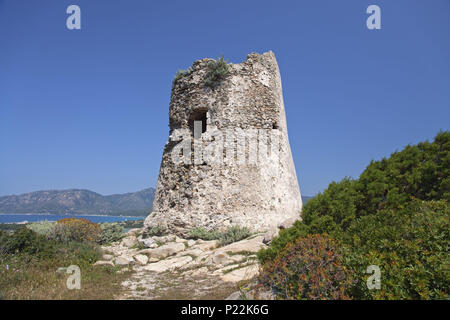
point(169, 267)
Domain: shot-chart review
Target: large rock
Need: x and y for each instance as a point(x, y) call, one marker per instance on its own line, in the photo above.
point(104, 263)
point(124, 261)
point(141, 259)
point(271, 234)
point(129, 241)
point(249, 245)
point(166, 250)
point(206, 245)
point(108, 257)
point(245, 273)
point(168, 265)
point(221, 258)
point(148, 243)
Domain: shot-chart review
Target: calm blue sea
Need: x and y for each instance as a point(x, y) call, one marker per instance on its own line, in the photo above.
point(10, 218)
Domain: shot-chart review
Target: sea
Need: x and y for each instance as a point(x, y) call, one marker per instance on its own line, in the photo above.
point(22, 218)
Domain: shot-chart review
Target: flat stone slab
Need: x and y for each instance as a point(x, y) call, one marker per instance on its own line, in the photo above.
point(167, 265)
point(245, 273)
point(251, 245)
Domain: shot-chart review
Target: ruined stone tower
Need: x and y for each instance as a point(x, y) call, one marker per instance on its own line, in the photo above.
point(228, 159)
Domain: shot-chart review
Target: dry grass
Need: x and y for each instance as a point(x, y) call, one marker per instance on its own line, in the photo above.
point(29, 278)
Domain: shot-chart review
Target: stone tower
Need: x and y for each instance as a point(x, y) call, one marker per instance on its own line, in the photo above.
point(228, 159)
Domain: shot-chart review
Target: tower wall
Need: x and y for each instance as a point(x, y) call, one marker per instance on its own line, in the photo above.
point(237, 190)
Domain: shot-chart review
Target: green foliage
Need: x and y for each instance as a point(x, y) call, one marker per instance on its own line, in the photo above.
point(111, 232)
point(32, 260)
point(202, 233)
point(309, 268)
point(286, 236)
point(396, 215)
point(22, 240)
point(44, 228)
point(155, 231)
point(411, 247)
point(232, 234)
point(217, 71)
point(180, 73)
point(73, 229)
point(10, 226)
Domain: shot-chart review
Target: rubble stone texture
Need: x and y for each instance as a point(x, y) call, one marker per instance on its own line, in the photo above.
point(213, 195)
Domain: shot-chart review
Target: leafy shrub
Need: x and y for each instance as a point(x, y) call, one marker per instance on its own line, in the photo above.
point(217, 70)
point(396, 216)
point(73, 229)
point(202, 233)
point(309, 268)
point(155, 231)
point(286, 236)
point(10, 226)
point(44, 228)
point(410, 245)
point(233, 234)
point(25, 241)
point(111, 232)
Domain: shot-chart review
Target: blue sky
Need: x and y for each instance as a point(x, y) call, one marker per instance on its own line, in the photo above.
point(89, 108)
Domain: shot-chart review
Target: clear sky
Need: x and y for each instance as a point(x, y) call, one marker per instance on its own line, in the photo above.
point(89, 108)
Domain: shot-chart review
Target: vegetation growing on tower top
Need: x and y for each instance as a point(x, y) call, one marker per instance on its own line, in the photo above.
point(217, 71)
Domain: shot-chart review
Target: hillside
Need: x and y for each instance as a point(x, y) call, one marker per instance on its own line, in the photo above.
point(79, 201)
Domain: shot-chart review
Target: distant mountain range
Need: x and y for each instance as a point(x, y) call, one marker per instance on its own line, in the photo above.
point(81, 201)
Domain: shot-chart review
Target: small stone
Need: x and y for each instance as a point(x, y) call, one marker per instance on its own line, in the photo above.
point(108, 257)
point(207, 245)
point(179, 240)
point(190, 242)
point(166, 250)
point(250, 245)
point(124, 260)
point(272, 233)
point(245, 273)
point(141, 259)
point(104, 263)
point(168, 265)
point(129, 241)
point(148, 243)
point(199, 272)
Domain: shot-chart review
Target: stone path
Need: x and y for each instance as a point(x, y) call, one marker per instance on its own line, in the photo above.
point(169, 267)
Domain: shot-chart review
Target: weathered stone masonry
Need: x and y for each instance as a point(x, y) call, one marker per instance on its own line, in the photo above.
point(215, 196)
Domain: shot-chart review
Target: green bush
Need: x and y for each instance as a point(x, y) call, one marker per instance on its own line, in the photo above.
point(310, 268)
point(203, 234)
point(26, 241)
point(410, 245)
point(154, 231)
point(396, 216)
point(44, 228)
point(111, 232)
point(73, 229)
point(232, 234)
point(217, 71)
